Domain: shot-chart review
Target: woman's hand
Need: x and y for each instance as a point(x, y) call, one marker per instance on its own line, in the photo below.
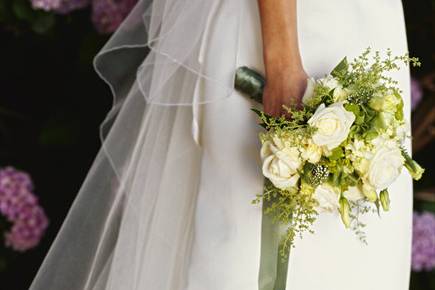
point(283, 87)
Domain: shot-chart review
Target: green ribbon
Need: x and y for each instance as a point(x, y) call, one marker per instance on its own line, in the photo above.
point(250, 82)
point(273, 266)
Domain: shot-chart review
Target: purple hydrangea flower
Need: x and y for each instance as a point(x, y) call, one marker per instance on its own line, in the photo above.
point(416, 93)
point(27, 231)
point(107, 15)
point(423, 242)
point(60, 6)
point(20, 207)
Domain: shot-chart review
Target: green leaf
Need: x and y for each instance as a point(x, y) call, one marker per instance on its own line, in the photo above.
point(399, 112)
point(355, 109)
point(371, 134)
point(341, 68)
point(336, 154)
point(256, 111)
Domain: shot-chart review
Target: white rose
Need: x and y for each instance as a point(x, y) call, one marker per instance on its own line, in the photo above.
point(311, 152)
point(327, 198)
point(386, 164)
point(340, 94)
point(333, 125)
point(353, 193)
point(280, 163)
point(309, 91)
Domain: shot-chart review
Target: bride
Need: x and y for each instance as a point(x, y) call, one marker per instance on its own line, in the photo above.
point(166, 204)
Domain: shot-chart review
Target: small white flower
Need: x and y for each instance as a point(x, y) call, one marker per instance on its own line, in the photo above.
point(333, 125)
point(386, 164)
point(327, 198)
point(311, 152)
point(280, 163)
point(339, 94)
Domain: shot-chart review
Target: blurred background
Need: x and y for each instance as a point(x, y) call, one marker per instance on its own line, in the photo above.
point(52, 103)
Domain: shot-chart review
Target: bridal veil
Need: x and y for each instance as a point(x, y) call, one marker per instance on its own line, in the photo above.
point(130, 226)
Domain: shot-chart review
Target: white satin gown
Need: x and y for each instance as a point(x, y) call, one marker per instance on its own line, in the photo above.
point(226, 245)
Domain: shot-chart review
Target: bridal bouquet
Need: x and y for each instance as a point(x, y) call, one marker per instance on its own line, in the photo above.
point(340, 152)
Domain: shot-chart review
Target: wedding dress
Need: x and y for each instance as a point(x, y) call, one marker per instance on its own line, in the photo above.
point(166, 204)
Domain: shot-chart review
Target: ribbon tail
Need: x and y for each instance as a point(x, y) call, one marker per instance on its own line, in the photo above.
point(273, 266)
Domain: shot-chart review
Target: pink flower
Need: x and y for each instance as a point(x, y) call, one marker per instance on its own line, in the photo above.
point(107, 15)
point(20, 207)
point(416, 93)
point(423, 242)
point(60, 6)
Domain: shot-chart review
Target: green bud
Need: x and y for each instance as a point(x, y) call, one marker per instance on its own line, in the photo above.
point(369, 192)
point(413, 167)
point(384, 197)
point(344, 211)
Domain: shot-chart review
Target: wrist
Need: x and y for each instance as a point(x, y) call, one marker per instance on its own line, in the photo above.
point(282, 66)
point(279, 61)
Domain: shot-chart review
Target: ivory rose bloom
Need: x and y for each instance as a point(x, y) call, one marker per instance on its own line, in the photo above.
point(385, 166)
point(333, 125)
point(327, 198)
point(280, 163)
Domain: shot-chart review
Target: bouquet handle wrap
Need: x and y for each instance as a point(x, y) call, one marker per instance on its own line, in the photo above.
point(250, 82)
point(273, 265)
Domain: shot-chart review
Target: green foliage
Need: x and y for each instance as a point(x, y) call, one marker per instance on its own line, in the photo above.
point(341, 69)
point(290, 208)
point(296, 119)
point(366, 75)
point(358, 209)
point(293, 128)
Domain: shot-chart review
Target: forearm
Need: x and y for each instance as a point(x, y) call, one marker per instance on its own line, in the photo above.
point(280, 39)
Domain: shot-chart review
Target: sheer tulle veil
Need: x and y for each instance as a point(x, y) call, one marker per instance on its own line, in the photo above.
point(131, 224)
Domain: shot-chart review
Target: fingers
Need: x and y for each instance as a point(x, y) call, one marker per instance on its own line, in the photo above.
point(272, 105)
point(274, 100)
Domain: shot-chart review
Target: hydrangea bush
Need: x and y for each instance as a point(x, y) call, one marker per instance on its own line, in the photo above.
point(21, 209)
point(106, 16)
point(423, 242)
